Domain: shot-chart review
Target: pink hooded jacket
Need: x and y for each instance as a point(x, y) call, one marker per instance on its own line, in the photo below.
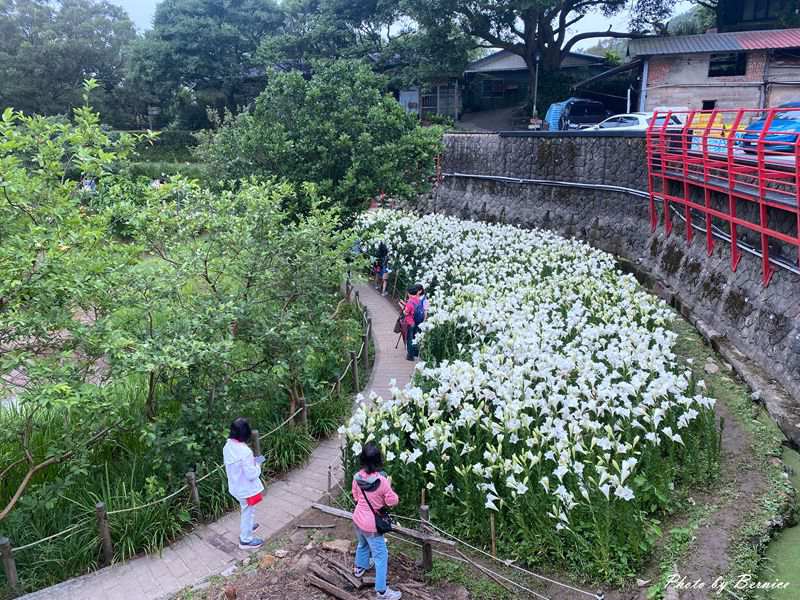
point(380, 493)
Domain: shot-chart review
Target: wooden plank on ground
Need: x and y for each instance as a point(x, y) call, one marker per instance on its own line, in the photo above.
point(346, 573)
point(329, 588)
point(324, 573)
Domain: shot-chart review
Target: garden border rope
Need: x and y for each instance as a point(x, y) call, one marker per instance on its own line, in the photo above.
point(597, 596)
point(74, 528)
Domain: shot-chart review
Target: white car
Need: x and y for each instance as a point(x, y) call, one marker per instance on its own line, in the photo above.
point(638, 121)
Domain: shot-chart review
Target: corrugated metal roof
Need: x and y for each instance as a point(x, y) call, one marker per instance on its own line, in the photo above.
point(780, 38)
point(504, 60)
point(716, 42)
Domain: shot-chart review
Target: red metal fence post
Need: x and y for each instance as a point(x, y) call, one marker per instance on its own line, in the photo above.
point(750, 162)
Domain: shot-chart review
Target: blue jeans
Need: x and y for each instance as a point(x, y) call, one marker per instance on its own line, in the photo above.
point(375, 545)
point(246, 522)
point(411, 348)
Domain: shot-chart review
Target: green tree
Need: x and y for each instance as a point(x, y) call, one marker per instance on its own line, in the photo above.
point(376, 31)
point(528, 27)
point(694, 21)
point(613, 50)
point(207, 48)
point(255, 276)
point(337, 130)
point(54, 255)
point(47, 49)
point(330, 29)
point(209, 305)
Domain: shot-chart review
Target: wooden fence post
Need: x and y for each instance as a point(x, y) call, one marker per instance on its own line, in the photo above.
point(427, 549)
point(105, 532)
point(338, 387)
point(367, 332)
point(357, 299)
point(354, 360)
point(194, 495)
point(303, 411)
point(256, 442)
point(9, 566)
point(494, 537)
point(347, 288)
point(330, 479)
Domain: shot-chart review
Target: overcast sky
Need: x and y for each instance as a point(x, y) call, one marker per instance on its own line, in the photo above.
point(141, 11)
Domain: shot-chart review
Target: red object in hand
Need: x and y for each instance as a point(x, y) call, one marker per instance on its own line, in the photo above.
point(253, 500)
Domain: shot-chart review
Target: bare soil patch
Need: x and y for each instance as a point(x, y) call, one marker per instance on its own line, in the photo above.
point(267, 576)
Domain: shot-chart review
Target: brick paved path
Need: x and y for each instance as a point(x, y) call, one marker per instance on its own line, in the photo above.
point(211, 549)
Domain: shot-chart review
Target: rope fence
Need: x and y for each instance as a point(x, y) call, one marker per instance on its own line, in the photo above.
point(506, 563)
point(7, 551)
point(66, 533)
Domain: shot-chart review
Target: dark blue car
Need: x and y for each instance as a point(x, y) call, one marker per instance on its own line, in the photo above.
point(782, 134)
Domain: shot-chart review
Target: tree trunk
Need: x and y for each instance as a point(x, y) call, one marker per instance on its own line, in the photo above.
point(292, 399)
point(551, 59)
point(151, 396)
point(530, 63)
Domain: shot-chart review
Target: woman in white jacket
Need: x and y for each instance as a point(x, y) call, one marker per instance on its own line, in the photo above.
point(244, 480)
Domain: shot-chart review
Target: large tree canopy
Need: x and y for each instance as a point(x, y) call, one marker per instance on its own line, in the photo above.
point(379, 32)
point(525, 27)
point(47, 50)
point(203, 52)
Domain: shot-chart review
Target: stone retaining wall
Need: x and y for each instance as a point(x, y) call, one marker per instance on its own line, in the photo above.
point(762, 323)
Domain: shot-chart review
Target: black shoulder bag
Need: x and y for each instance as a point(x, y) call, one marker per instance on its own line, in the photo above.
point(383, 521)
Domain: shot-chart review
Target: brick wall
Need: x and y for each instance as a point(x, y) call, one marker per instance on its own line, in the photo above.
point(682, 80)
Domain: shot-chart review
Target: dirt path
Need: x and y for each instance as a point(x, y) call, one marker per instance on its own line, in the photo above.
point(732, 500)
point(279, 572)
point(709, 557)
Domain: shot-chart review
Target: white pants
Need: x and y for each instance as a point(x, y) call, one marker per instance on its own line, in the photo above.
point(247, 520)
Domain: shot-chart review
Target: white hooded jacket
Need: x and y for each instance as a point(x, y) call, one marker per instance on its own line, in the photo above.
point(244, 475)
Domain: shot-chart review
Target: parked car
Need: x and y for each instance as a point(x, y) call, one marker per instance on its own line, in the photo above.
point(782, 135)
point(638, 121)
point(574, 113)
point(579, 113)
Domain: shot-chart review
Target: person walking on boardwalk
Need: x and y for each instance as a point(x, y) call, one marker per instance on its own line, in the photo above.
point(244, 480)
point(414, 315)
point(373, 494)
point(382, 268)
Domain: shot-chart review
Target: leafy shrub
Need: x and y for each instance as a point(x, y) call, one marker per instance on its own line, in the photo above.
point(146, 319)
point(337, 129)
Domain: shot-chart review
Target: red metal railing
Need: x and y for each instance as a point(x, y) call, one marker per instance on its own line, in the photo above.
point(736, 168)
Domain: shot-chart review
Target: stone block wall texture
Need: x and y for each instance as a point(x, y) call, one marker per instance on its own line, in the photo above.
point(763, 323)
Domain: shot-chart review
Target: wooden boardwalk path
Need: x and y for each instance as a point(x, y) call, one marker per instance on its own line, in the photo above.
point(211, 549)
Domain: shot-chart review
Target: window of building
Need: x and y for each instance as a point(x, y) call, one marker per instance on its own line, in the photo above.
point(709, 105)
point(786, 57)
point(727, 64)
point(741, 14)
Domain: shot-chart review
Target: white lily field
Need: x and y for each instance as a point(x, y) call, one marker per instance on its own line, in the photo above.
point(548, 394)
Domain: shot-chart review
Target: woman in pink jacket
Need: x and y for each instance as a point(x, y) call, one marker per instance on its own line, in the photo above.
point(372, 491)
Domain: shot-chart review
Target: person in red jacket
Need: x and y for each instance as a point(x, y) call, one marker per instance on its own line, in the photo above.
point(413, 299)
point(372, 492)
